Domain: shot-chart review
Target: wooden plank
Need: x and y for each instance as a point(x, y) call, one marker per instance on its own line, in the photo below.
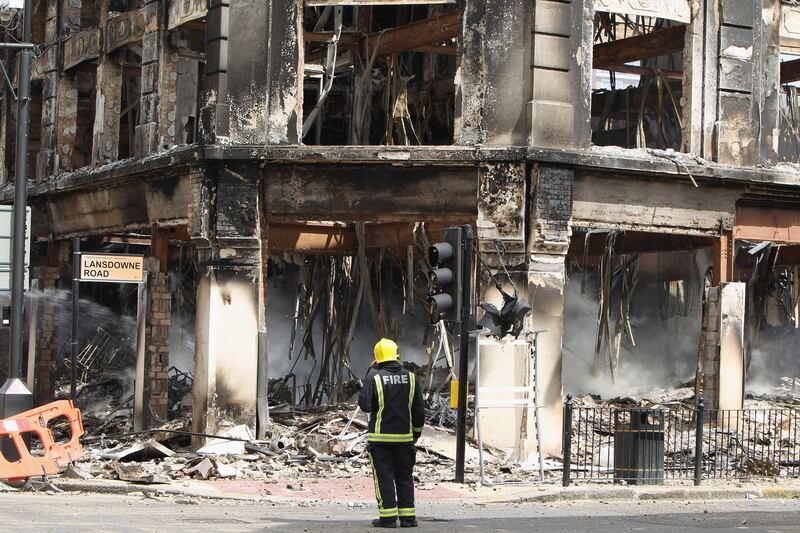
point(346, 39)
point(645, 71)
point(81, 47)
point(432, 30)
point(421, 36)
point(723, 259)
point(184, 11)
point(790, 71)
point(655, 44)
point(437, 49)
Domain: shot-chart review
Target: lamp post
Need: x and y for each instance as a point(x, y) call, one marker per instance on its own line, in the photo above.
point(14, 394)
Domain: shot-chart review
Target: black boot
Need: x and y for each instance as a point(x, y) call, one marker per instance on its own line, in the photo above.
point(410, 521)
point(384, 522)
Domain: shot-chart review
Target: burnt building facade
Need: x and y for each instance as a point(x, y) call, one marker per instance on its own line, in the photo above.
point(594, 145)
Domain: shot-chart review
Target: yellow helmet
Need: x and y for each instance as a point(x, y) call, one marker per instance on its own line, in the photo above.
point(385, 350)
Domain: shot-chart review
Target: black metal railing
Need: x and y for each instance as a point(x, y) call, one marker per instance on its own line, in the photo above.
point(650, 446)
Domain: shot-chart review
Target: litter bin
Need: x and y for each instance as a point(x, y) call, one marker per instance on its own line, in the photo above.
point(639, 446)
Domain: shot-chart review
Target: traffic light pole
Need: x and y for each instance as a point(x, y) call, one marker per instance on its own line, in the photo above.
point(463, 352)
point(14, 395)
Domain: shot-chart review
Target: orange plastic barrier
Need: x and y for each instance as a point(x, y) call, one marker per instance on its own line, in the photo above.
point(55, 457)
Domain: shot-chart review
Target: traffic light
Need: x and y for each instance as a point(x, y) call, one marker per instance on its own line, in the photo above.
point(445, 280)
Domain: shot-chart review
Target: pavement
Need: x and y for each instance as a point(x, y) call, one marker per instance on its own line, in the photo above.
point(66, 513)
point(360, 490)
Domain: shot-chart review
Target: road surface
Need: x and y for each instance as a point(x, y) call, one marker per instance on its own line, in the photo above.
point(95, 512)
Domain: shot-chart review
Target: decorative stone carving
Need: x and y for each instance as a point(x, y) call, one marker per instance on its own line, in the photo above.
point(678, 10)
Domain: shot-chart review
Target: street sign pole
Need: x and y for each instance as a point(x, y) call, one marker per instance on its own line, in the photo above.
point(14, 394)
point(76, 295)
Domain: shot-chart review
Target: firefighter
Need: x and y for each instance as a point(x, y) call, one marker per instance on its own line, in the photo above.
point(391, 395)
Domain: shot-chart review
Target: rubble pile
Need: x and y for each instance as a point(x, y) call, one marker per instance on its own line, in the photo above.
point(302, 443)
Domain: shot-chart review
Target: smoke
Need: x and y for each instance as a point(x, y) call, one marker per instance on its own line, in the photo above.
point(182, 341)
point(775, 356)
point(775, 350)
point(96, 324)
point(665, 355)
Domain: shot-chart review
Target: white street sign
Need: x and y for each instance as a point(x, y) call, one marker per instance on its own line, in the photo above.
point(6, 239)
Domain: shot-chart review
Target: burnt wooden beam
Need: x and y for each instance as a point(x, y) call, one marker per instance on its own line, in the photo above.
point(645, 71)
point(657, 43)
point(346, 39)
point(790, 71)
point(407, 37)
point(419, 36)
point(437, 49)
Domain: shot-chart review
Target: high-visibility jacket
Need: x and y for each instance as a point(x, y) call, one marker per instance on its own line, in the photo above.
point(391, 395)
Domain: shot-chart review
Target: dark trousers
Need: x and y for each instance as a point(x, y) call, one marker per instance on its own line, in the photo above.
point(393, 473)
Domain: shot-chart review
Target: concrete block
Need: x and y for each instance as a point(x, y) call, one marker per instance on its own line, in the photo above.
point(150, 48)
point(735, 75)
point(553, 18)
point(736, 43)
point(551, 124)
point(550, 51)
point(552, 85)
point(738, 12)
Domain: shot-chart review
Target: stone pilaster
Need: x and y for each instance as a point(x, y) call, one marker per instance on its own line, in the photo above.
point(105, 137)
point(215, 115)
point(229, 296)
point(157, 114)
point(534, 255)
point(265, 84)
point(49, 67)
point(742, 128)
